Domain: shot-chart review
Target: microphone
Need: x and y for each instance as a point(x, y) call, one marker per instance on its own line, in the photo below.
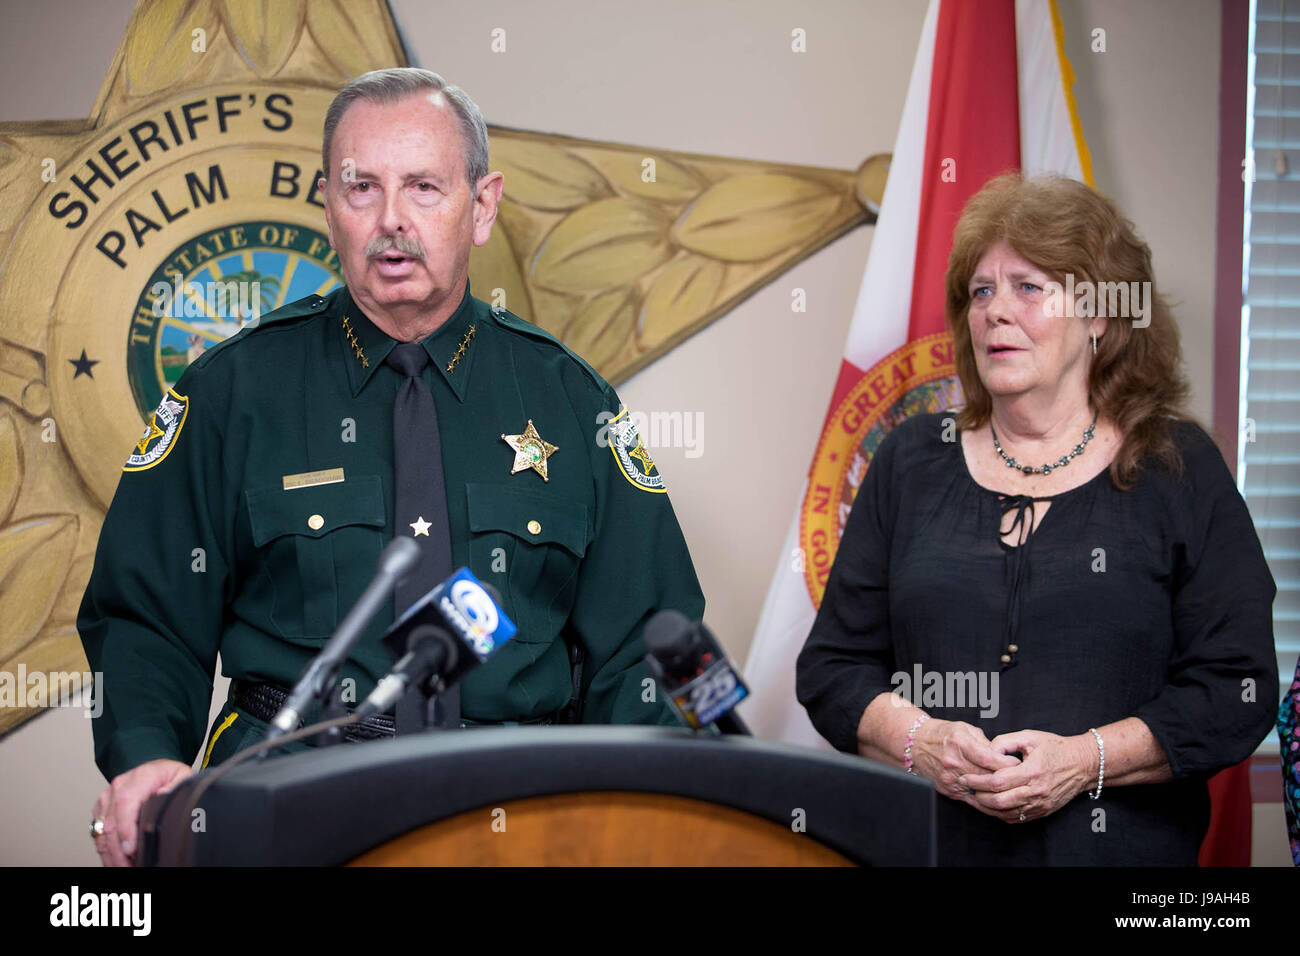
point(432, 650)
point(692, 667)
point(451, 630)
point(395, 562)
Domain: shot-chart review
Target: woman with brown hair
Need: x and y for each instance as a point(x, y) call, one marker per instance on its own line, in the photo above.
point(1068, 539)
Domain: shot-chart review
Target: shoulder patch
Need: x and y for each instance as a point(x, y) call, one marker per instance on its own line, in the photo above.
point(161, 434)
point(633, 460)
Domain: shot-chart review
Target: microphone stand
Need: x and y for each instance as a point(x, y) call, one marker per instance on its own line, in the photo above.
point(334, 708)
point(317, 682)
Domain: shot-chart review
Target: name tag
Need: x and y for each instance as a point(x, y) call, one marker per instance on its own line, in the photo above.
point(308, 479)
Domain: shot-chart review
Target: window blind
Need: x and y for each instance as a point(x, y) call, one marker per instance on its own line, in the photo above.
point(1268, 457)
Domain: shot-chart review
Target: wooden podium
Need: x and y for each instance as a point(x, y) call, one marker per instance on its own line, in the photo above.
point(549, 796)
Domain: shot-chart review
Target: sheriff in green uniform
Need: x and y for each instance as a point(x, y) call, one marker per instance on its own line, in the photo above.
point(274, 456)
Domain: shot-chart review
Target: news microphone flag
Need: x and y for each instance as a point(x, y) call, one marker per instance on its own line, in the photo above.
point(990, 91)
point(466, 609)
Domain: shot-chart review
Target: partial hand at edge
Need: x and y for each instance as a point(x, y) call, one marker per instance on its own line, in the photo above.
point(119, 805)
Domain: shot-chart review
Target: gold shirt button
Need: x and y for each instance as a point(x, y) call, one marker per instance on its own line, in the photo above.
point(1006, 658)
point(534, 527)
point(1013, 648)
point(315, 522)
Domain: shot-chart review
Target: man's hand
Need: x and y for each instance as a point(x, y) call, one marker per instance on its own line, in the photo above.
point(946, 750)
point(1055, 770)
point(119, 806)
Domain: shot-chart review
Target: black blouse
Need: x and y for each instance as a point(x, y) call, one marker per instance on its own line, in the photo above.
point(1153, 602)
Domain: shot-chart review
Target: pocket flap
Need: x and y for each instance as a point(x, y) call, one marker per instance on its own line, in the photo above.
point(529, 516)
point(316, 510)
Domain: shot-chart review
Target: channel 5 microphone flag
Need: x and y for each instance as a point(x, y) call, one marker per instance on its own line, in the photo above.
point(990, 91)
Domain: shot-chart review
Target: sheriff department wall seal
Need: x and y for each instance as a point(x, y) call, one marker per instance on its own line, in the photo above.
point(918, 378)
point(186, 218)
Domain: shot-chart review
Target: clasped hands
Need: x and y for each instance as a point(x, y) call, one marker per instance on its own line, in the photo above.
point(1016, 777)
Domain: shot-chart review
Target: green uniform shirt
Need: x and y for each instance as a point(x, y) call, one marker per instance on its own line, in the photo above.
point(204, 549)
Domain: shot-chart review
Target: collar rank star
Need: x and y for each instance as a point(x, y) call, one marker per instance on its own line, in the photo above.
point(460, 350)
point(352, 341)
point(531, 451)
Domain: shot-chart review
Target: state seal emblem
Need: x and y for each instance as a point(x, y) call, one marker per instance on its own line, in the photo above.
point(918, 378)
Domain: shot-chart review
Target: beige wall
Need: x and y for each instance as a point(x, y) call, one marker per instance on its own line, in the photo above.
point(713, 77)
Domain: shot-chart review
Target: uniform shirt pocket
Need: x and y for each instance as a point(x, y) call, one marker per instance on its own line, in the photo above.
point(317, 543)
point(528, 545)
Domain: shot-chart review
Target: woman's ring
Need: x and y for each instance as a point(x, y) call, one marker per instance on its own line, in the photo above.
point(96, 828)
point(1022, 816)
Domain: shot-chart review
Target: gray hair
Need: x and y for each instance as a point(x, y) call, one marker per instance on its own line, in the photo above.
point(389, 86)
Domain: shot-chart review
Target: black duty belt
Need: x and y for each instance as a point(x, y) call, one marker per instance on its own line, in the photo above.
point(264, 701)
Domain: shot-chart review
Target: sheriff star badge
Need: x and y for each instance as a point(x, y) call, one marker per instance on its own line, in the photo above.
point(531, 451)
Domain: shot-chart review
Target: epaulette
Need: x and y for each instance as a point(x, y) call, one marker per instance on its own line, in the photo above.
point(305, 307)
point(509, 320)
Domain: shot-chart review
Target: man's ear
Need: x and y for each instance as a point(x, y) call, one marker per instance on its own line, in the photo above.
point(322, 185)
point(486, 200)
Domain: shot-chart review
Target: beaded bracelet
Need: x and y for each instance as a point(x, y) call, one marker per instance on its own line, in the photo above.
point(907, 751)
point(1101, 768)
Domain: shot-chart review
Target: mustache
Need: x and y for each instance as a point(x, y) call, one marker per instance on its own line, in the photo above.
point(407, 246)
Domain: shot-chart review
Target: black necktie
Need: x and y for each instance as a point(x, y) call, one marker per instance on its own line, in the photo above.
point(420, 510)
